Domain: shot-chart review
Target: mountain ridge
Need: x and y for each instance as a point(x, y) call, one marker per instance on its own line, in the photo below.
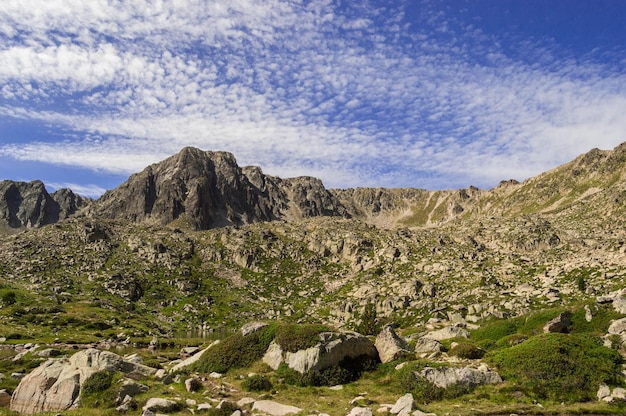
point(208, 189)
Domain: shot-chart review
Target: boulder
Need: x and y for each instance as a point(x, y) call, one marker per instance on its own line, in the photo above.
point(404, 406)
point(617, 327)
point(333, 348)
point(390, 346)
point(274, 409)
point(449, 332)
point(252, 327)
point(445, 377)
point(428, 345)
point(131, 388)
point(55, 385)
point(560, 324)
point(360, 411)
point(193, 384)
point(157, 404)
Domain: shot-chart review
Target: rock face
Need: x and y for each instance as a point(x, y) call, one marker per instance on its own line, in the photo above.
point(209, 189)
point(390, 346)
point(559, 324)
point(333, 348)
point(29, 205)
point(56, 384)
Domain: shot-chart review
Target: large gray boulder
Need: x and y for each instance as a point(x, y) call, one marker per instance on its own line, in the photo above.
point(391, 346)
point(56, 384)
point(333, 348)
point(275, 409)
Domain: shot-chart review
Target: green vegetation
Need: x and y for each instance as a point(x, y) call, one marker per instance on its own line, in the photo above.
point(566, 367)
point(236, 351)
point(257, 383)
point(294, 337)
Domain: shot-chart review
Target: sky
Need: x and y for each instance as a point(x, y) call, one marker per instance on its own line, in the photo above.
point(437, 94)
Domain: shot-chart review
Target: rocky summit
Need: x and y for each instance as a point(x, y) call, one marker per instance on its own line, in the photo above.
point(456, 292)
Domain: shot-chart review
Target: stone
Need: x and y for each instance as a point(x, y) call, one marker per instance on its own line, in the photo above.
point(191, 360)
point(619, 393)
point(193, 384)
point(48, 353)
point(390, 346)
point(131, 388)
point(560, 324)
point(617, 327)
point(252, 327)
point(403, 406)
point(55, 385)
point(449, 332)
point(332, 349)
point(428, 345)
point(245, 401)
point(360, 411)
point(157, 404)
point(274, 409)
point(603, 391)
point(445, 377)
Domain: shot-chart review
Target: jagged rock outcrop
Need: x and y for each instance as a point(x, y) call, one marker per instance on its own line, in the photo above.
point(209, 189)
point(56, 384)
point(445, 377)
point(29, 205)
point(333, 348)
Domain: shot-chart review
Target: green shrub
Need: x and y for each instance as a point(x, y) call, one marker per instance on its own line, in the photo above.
point(257, 383)
point(369, 325)
point(494, 330)
point(468, 350)
point(563, 367)
point(294, 337)
point(236, 351)
point(98, 382)
point(226, 409)
point(9, 298)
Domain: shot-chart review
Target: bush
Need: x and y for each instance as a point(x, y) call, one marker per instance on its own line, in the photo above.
point(9, 298)
point(369, 325)
point(236, 351)
point(293, 337)
point(468, 350)
point(257, 383)
point(563, 367)
point(98, 382)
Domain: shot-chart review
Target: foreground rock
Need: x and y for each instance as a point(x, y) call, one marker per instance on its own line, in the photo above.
point(56, 384)
point(332, 349)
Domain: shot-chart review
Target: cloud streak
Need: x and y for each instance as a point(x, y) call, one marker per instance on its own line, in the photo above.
point(357, 95)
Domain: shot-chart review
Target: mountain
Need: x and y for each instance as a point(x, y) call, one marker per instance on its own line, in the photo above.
point(29, 205)
point(208, 190)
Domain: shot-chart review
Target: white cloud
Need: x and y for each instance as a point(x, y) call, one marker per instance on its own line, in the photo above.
point(353, 95)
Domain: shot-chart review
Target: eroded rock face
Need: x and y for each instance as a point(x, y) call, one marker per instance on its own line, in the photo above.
point(55, 385)
point(333, 348)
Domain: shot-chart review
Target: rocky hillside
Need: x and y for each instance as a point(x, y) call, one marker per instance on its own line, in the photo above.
point(29, 205)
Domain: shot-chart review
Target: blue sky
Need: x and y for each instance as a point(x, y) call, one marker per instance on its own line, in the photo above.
point(426, 94)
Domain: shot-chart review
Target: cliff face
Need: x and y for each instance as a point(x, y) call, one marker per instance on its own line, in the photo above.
point(29, 205)
point(209, 190)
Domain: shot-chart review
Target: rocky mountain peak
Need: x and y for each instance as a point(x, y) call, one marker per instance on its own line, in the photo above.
point(29, 205)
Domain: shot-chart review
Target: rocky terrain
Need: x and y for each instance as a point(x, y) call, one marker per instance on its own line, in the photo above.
point(198, 245)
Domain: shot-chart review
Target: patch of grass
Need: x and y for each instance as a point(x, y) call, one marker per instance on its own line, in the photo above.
point(294, 337)
point(565, 367)
point(236, 351)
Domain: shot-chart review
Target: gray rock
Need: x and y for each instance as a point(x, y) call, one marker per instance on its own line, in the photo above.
point(404, 406)
point(193, 384)
point(428, 345)
point(55, 385)
point(332, 349)
point(603, 391)
point(131, 388)
point(560, 324)
point(252, 327)
point(445, 377)
point(273, 408)
point(157, 404)
point(449, 332)
point(390, 346)
point(5, 398)
point(360, 411)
